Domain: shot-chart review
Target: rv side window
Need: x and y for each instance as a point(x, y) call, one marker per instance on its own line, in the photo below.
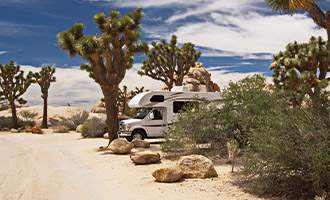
point(157, 98)
point(179, 105)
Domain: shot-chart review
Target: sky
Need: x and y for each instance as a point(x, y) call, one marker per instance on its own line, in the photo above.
point(237, 38)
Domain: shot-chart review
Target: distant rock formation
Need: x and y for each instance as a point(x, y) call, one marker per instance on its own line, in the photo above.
point(98, 108)
point(4, 105)
point(198, 79)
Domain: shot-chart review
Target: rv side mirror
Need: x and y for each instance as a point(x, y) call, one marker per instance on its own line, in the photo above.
point(151, 115)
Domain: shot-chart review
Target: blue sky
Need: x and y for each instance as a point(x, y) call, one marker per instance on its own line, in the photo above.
point(237, 38)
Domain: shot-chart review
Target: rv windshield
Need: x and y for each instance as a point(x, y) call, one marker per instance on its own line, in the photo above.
point(143, 113)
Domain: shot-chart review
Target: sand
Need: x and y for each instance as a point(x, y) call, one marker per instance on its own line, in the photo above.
point(64, 166)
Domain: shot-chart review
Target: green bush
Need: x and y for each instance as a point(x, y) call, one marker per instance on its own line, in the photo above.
point(283, 145)
point(196, 128)
point(244, 103)
point(292, 144)
point(28, 115)
point(94, 127)
point(28, 118)
point(72, 122)
point(6, 122)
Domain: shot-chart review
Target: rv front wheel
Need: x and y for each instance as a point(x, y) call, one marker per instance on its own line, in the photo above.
point(138, 135)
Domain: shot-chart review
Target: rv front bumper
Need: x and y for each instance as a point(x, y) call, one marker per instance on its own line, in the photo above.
point(124, 133)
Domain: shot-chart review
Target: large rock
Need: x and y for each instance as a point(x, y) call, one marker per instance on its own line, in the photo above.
point(121, 146)
point(98, 108)
point(145, 157)
point(141, 143)
point(37, 130)
point(4, 105)
point(198, 79)
point(168, 174)
point(196, 166)
point(79, 127)
point(14, 130)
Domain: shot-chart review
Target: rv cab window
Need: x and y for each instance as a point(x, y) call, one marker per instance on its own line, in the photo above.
point(143, 113)
point(157, 98)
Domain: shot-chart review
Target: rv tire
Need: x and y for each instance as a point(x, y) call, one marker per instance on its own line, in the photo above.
point(136, 135)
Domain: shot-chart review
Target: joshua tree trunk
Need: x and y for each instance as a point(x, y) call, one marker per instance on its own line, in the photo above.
point(327, 22)
point(44, 117)
point(110, 98)
point(14, 115)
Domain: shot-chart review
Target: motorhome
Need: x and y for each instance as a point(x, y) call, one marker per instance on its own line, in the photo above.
point(160, 109)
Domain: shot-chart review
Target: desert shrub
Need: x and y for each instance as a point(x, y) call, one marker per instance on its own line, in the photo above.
point(28, 115)
point(3, 108)
point(292, 146)
point(94, 127)
point(7, 122)
point(286, 148)
point(244, 104)
point(196, 128)
point(61, 129)
point(72, 122)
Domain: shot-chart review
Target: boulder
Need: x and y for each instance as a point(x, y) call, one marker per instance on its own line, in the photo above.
point(145, 157)
point(121, 146)
point(196, 166)
point(98, 108)
point(141, 143)
point(198, 79)
point(14, 130)
point(106, 135)
point(4, 105)
point(79, 127)
point(168, 174)
point(36, 130)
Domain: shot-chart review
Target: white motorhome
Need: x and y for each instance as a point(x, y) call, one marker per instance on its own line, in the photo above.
point(160, 110)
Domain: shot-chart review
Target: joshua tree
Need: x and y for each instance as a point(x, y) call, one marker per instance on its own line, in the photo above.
point(13, 85)
point(293, 6)
point(109, 55)
point(44, 78)
point(123, 95)
point(168, 62)
point(302, 69)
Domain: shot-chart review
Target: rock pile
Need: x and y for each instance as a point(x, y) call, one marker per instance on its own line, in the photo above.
point(98, 108)
point(198, 79)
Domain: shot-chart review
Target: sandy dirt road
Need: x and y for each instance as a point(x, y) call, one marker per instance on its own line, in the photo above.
point(63, 166)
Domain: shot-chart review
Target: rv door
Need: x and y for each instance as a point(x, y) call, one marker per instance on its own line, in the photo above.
point(156, 122)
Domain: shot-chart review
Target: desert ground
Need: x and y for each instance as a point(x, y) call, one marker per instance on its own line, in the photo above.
point(65, 166)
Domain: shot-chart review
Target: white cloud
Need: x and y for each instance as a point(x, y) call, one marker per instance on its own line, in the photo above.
point(223, 77)
point(150, 3)
point(249, 34)
point(132, 80)
point(3, 52)
point(73, 86)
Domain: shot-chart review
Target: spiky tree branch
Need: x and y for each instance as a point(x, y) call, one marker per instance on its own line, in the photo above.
point(13, 85)
point(44, 78)
point(109, 54)
point(302, 69)
point(168, 62)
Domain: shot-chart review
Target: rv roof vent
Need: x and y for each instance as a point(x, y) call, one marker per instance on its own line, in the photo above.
point(180, 89)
